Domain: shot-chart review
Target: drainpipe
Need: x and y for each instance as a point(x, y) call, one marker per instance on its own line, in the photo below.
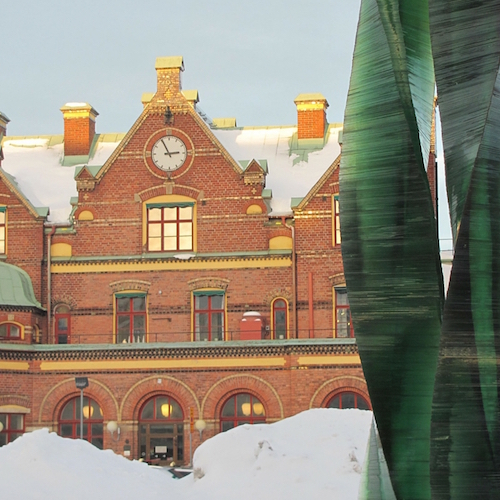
point(311, 306)
point(294, 278)
point(49, 286)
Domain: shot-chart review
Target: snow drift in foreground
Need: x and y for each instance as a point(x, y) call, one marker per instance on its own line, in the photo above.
point(316, 454)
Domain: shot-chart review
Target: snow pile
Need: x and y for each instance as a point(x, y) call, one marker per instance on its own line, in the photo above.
point(316, 454)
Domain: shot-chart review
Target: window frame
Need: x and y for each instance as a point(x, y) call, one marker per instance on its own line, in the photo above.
point(7, 430)
point(9, 325)
point(163, 222)
point(210, 293)
point(342, 307)
point(336, 232)
point(3, 230)
point(236, 419)
point(131, 314)
point(274, 309)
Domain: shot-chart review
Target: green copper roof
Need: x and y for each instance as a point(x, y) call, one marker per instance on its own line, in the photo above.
point(16, 288)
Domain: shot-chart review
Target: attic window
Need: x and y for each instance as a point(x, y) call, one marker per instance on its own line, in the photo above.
point(170, 227)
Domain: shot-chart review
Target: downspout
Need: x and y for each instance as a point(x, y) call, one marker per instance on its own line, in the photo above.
point(49, 286)
point(294, 278)
point(311, 306)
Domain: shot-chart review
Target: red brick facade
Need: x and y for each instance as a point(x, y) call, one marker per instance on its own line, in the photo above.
point(106, 254)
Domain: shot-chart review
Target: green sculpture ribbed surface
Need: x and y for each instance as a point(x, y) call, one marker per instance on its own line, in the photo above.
point(465, 422)
point(389, 236)
point(432, 368)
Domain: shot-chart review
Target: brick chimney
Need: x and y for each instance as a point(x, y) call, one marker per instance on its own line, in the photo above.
point(311, 115)
point(168, 72)
point(3, 132)
point(79, 128)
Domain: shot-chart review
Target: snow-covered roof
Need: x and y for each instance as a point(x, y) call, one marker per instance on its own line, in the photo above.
point(294, 166)
point(36, 164)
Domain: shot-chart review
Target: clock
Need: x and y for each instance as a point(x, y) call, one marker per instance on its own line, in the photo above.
point(169, 153)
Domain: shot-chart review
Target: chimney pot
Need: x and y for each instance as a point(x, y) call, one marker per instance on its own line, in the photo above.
point(79, 128)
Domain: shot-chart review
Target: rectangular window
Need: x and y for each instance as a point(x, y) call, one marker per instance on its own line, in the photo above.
point(3, 229)
point(343, 322)
point(209, 315)
point(13, 427)
point(337, 239)
point(130, 318)
point(170, 227)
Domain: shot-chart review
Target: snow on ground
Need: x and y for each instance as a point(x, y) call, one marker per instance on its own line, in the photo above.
point(316, 454)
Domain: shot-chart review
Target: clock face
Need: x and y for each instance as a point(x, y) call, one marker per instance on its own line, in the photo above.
point(169, 153)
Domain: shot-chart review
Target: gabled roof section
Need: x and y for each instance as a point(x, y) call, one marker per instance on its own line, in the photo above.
point(254, 166)
point(16, 288)
point(302, 203)
point(11, 183)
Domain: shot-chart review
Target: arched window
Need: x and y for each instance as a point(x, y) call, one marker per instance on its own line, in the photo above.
point(69, 421)
point(161, 431)
point(348, 399)
point(241, 409)
point(280, 318)
point(13, 427)
point(62, 324)
point(10, 331)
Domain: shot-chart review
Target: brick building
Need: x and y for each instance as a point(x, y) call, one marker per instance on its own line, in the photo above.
point(189, 269)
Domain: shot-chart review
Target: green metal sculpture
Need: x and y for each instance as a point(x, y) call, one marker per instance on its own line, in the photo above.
point(390, 247)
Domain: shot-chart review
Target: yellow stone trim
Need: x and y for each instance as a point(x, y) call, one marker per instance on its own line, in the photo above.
point(157, 364)
point(14, 409)
point(254, 210)
point(160, 387)
point(85, 215)
point(244, 378)
point(14, 365)
point(178, 265)
point(331, 381)
point(310, 106)
point(347, 359)
point(61, 250)
point(281, 243)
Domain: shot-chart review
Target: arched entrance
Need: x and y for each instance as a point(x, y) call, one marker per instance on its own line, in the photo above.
point(161, 431)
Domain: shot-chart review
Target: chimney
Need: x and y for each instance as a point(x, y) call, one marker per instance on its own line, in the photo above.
point(311, 115)
point(168, 71)
point(3, 132)
point(79, 128)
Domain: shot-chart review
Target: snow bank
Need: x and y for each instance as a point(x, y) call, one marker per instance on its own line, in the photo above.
point(316, 454)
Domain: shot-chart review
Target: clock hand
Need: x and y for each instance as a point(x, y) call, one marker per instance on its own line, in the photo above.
point(168, 152)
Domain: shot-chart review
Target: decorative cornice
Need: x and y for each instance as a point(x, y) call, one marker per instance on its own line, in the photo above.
point(270, 348)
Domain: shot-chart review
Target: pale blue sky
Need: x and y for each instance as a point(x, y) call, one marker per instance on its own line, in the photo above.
point(246, 59)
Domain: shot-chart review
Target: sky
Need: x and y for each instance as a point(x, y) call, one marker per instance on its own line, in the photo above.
point(316, 454)
point(248, 60)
